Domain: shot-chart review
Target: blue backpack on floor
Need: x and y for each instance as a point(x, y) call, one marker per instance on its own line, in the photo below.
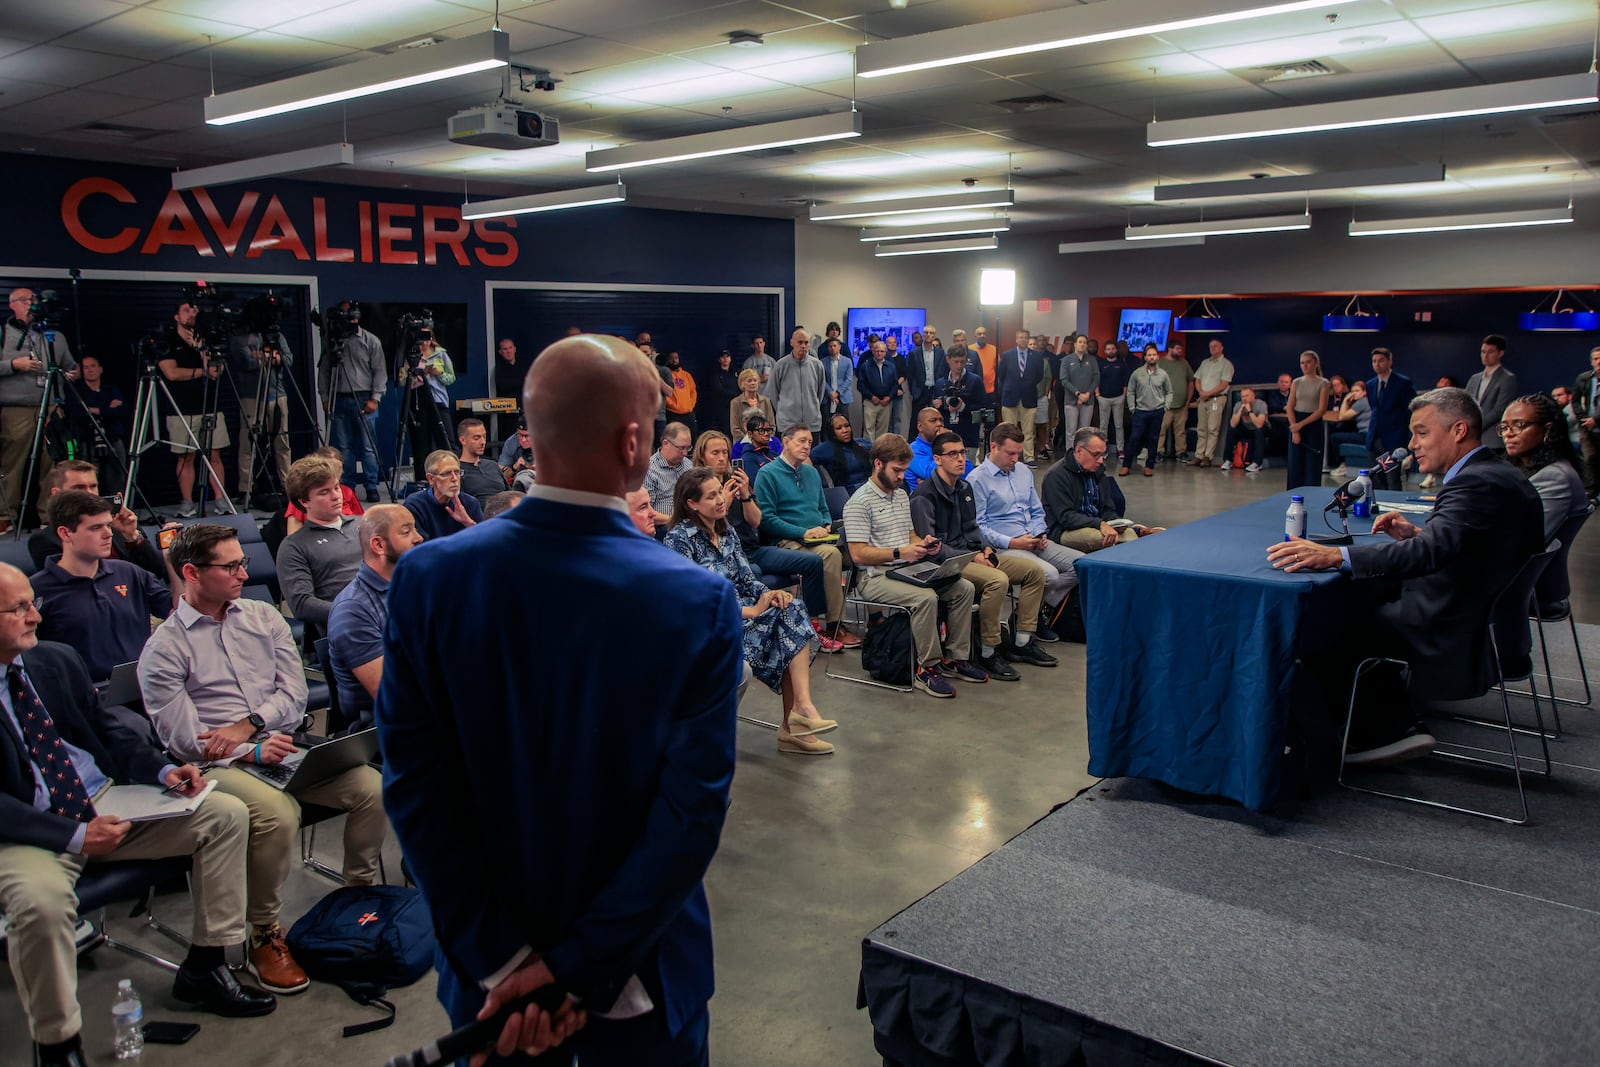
point(366, 940)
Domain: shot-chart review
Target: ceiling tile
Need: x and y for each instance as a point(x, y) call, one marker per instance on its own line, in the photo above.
point(46, 21)
point(247, 14)
point(355, 25)
point(66, 67)
point(144, 33)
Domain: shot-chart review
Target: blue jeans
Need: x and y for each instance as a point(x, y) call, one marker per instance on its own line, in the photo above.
point(770, 559)
point(345, 434)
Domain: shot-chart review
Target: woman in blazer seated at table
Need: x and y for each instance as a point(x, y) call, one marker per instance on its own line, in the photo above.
point(1535, 434)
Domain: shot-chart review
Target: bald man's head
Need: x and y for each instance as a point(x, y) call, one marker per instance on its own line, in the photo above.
point(394, 529)
point(591, 402)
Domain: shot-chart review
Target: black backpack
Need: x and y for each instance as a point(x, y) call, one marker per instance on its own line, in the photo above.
point(1068, 619)
point(366, 940)
point(887, 651)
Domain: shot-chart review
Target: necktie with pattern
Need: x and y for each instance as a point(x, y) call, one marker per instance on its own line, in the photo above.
point(43, 742)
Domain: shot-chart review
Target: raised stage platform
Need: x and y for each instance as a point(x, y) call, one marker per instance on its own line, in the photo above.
point(1137, 925)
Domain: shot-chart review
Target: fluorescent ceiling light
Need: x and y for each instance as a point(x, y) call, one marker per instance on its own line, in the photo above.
point(913, 205)
point(1044, 31)
point(1566, 90)
point(411, 66)
point(727, 142)
point(926, 248)
point(1219, 227)
point(1302, 183)
point(328, 155)
point(1076, 247)
point(1495, 220)
point(556, 201)
point(949, 229)
point(997, 287)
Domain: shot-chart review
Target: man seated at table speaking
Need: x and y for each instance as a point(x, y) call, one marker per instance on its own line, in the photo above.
point(1485, 524)
point(1082, 505)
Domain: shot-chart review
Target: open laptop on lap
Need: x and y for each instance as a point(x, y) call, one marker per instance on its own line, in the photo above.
point(306, 767)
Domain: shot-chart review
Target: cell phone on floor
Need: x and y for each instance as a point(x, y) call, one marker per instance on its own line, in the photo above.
point(159, 1033)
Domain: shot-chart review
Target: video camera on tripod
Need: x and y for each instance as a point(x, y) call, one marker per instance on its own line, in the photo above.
point(339, 323)
point(415, 328)
point(216, 319)
point(47, 310)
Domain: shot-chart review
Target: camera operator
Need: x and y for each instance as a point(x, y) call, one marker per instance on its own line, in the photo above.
point(24, 355)
point(103, 401)
point(429, 375)
point(960, 398)
point(187, 366)
point(352, 379)
point(251, 355)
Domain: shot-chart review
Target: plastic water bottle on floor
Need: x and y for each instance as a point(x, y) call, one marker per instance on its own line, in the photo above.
point(1294, 520)
point(127, 1016)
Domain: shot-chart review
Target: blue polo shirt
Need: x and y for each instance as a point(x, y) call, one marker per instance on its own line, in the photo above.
point(107, 617)
point(355, 636)
point(433, 521)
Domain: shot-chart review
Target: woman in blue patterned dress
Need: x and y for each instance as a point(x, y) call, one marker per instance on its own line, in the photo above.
point(778, 639)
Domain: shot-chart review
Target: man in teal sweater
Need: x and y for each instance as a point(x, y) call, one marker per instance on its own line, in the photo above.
point(794, 515)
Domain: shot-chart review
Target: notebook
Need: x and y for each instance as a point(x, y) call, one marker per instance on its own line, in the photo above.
point(146, 803)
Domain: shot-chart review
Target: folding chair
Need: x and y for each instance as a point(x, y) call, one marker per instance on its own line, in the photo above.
point(104, 884)
point(853, 598)
point(1551, 603)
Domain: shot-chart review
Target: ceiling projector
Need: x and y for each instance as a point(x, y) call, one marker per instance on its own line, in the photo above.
point(502, 126)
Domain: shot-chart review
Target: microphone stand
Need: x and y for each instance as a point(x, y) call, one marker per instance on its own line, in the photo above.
point(1339, 502)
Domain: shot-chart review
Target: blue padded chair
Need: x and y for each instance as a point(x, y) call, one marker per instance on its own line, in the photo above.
point(104, 884)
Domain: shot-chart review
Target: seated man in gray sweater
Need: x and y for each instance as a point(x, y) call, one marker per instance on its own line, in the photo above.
point(318, 560)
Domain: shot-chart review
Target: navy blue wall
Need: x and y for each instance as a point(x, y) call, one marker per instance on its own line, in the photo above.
point(1270, 333)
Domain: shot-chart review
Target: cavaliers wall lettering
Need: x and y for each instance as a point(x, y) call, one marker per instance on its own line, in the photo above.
point(102, 216)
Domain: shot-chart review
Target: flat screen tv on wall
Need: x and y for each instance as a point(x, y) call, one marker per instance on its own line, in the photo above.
point(861, 323)
point(1142, 326)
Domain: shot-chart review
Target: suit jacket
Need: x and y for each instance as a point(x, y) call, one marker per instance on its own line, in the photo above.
point(574, 809)
point(917, 376)
point(1580, 396)
point(1485, 524)
point(62, 683)
point(1390, 425)
point(1018, 385)
point(1502, 391)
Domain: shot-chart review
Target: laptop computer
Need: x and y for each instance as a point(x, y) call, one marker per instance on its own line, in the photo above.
point(927, 572)
point(123, 685)
point(306, 767)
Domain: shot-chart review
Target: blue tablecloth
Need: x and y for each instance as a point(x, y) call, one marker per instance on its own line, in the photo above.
point(1193, 646)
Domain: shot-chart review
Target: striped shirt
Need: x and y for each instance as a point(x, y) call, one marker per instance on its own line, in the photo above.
point(879, 519)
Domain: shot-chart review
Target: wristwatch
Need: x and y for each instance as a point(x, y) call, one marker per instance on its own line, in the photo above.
point(897, 553)
point(257, 721)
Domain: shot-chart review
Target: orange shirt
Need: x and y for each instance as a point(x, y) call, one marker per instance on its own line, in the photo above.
point(683, 394)
point(986, 358)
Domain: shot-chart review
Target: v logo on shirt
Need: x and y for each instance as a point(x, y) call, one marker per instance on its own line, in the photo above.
point(121, 589)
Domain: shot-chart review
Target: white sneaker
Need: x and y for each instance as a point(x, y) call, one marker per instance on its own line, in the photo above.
point(188, 510)
point(1254, 468)
point(1340, 473)
point(1227, 464)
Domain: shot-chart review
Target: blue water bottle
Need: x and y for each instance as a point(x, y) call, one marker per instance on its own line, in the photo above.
point(1363, 504)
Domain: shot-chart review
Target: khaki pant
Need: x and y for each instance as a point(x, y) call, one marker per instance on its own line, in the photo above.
point(832, 575)
point(1023, 417)
point(1089, 539)
point(37, 894)
point(275, 822)
point(875, 420)
point(989, 587)
point(1174, 428)
point(1210, 424)
point(274, 428)
point(17, 426)
point(924, 605)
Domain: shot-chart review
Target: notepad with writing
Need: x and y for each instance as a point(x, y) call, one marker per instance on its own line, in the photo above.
point(144, 803)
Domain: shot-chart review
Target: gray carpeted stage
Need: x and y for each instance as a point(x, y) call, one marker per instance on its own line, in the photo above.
point(1137, 925)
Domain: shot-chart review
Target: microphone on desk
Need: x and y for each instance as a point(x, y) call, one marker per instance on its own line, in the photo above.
point(1355, 489)
point(480, 1034)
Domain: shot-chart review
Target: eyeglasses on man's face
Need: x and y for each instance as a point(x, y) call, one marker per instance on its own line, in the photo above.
point(21, 610)
point(959, 453)
point(233, 567)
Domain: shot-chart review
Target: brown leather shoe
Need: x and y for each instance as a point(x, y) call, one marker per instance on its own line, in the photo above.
point(273, 966)
point(1122, 471)
point(848, 639)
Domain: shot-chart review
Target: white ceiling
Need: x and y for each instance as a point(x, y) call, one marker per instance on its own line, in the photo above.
point(637, 70)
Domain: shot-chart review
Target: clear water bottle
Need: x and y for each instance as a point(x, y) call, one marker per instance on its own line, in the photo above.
point(127, 1017)
point(1294, 520)
point(1363, 504)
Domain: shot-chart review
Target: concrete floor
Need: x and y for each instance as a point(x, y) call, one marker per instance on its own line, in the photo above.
point(817, 851)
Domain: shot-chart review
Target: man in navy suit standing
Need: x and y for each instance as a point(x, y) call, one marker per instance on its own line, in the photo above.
point(1390, 395)
point(559, 819)
point(1017, 373)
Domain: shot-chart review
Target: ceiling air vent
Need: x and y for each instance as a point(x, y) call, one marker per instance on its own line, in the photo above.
point(1019, 105)
point(1286, 72)
point(115, 129)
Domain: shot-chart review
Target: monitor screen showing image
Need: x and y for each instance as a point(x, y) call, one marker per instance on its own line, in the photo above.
point(861, 323)
point(1142, 326)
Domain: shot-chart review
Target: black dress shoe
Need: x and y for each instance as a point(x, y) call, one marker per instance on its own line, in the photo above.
point(70, 1056)
point(999, 669)
point(218, 992)
point(1030, 653)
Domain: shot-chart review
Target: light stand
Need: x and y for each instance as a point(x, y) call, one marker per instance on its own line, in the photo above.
point(146, 429)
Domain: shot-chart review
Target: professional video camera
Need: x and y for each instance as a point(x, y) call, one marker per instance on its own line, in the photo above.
point(217, 318)
point(415, 328)
point(47, 310)
point(339, 322)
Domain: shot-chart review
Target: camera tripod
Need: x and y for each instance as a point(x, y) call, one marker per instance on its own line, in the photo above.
point(267, 427)
point(147, 433)
point(421, 423)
